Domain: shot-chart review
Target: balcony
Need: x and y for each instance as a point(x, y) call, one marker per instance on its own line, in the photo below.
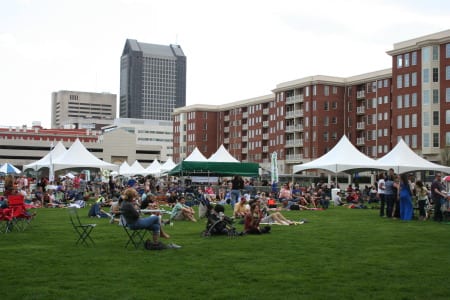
point(226, 129)
point(294, 143)
point(360, 110)
point(245, 138)
point(244, 150)
point(265, 111)
point(266, 124)
point(226, 118)
point(290, 128)
point(293, 158)
point(294, 99)
point(360, 94)
point(360, 126)
point(245, 115)
point(360, 141)
point(265, 136)
point(265, 148)
point(226, 140)
point(244, 126)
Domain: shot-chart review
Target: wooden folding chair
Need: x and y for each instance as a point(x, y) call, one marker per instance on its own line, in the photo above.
point(135, 236)
point(83, 230)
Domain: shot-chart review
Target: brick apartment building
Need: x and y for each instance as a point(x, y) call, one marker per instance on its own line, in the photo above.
point(303, 119)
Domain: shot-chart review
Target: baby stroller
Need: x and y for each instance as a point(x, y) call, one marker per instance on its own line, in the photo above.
point(218, 223)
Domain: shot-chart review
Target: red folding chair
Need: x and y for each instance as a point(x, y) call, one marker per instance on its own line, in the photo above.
point(5, 220)
point(21, 218)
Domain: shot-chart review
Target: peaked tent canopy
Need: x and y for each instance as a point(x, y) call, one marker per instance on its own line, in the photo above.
point(154, 168)
point(402, 159)
point(45, 162)
point(137, 168)
point(78, 157)
point(196, 155)
point(168, 165)
point(222, 155)
point(8, 168)
point(343, 157)
point(124, 169)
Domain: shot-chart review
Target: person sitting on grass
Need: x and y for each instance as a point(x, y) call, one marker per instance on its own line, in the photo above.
point(133, 219)
point(182, 212)
point(272, 217)
point(241, 209)
point(252, 220)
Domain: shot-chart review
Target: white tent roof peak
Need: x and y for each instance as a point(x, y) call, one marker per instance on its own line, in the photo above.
point(78, 156)
point(403, 159)
point(44, 162)
point(168, 165)
point(154, 168)
point(344, 156)
point(196, 155)
point(222, 155)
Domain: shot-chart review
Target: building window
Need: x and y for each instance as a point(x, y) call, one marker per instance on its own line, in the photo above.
point(399, 122)
point(426, 119)
point(414, 141)
point(435, 96)
point(447, 94)
point(414, 79)
point(399, 61)
point(447, 117)
point(314, 90)
point(307, 91)
point(399, 81)
point(414, 99)
point(425, 55)
point(435, 75)
point(435, 118)
point(385, 83)
point(406, 59)
point(399, 101)
point(426, 139)
point(406, 80)
point(426, 97)
point(414, 58)
point(326, 90)
point(406, 100)
point(386, 99)
point(447, 73)
point(334, 90)
point(326, 106)
point(435, 139)
point(426, 76)
point(414, 120)
point(435, 53)
point(447, 51)
point(406, 121)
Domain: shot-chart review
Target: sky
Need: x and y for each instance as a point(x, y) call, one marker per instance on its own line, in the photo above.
point(235, 50)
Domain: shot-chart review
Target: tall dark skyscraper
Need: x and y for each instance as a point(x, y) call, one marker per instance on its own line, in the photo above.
point(152, 80)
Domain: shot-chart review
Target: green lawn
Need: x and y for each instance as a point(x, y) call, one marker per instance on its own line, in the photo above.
point(340, 253)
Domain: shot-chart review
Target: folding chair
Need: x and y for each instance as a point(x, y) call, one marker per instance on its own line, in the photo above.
point(135, 236)
point(5, 220)
point(83, 230)
point(21, 218)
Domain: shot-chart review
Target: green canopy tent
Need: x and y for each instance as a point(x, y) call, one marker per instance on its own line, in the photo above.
point(186, 168)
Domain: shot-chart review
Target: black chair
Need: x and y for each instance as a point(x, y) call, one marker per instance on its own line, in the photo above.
point(83, 230)
point(135, 236)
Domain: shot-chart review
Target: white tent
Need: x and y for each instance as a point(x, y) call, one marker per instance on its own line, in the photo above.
point(124, 169)
point(222, 155)
point(168, 165)
point(47, 160)
point(137, 169)
point(196, 155)
point(402, 159)
point(154, 168)
point(343, 157)
point(79, 157)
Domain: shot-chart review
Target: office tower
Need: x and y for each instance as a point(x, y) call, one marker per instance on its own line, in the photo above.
point(82, 110)
point(152, 80)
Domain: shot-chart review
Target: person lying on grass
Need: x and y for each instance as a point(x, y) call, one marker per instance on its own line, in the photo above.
point(133, 219)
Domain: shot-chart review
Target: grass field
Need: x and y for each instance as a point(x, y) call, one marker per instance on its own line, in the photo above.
point(339, 253)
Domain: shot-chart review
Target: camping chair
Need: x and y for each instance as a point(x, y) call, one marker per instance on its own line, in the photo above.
point(135, 236)
point(83, 230)
point(5, 220)
point(21, 218)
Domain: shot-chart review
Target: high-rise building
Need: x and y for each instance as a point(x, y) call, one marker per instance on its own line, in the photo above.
point(152, 80)
point(83, 110)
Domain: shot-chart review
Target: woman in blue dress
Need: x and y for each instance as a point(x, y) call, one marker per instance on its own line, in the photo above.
point(406, 207)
